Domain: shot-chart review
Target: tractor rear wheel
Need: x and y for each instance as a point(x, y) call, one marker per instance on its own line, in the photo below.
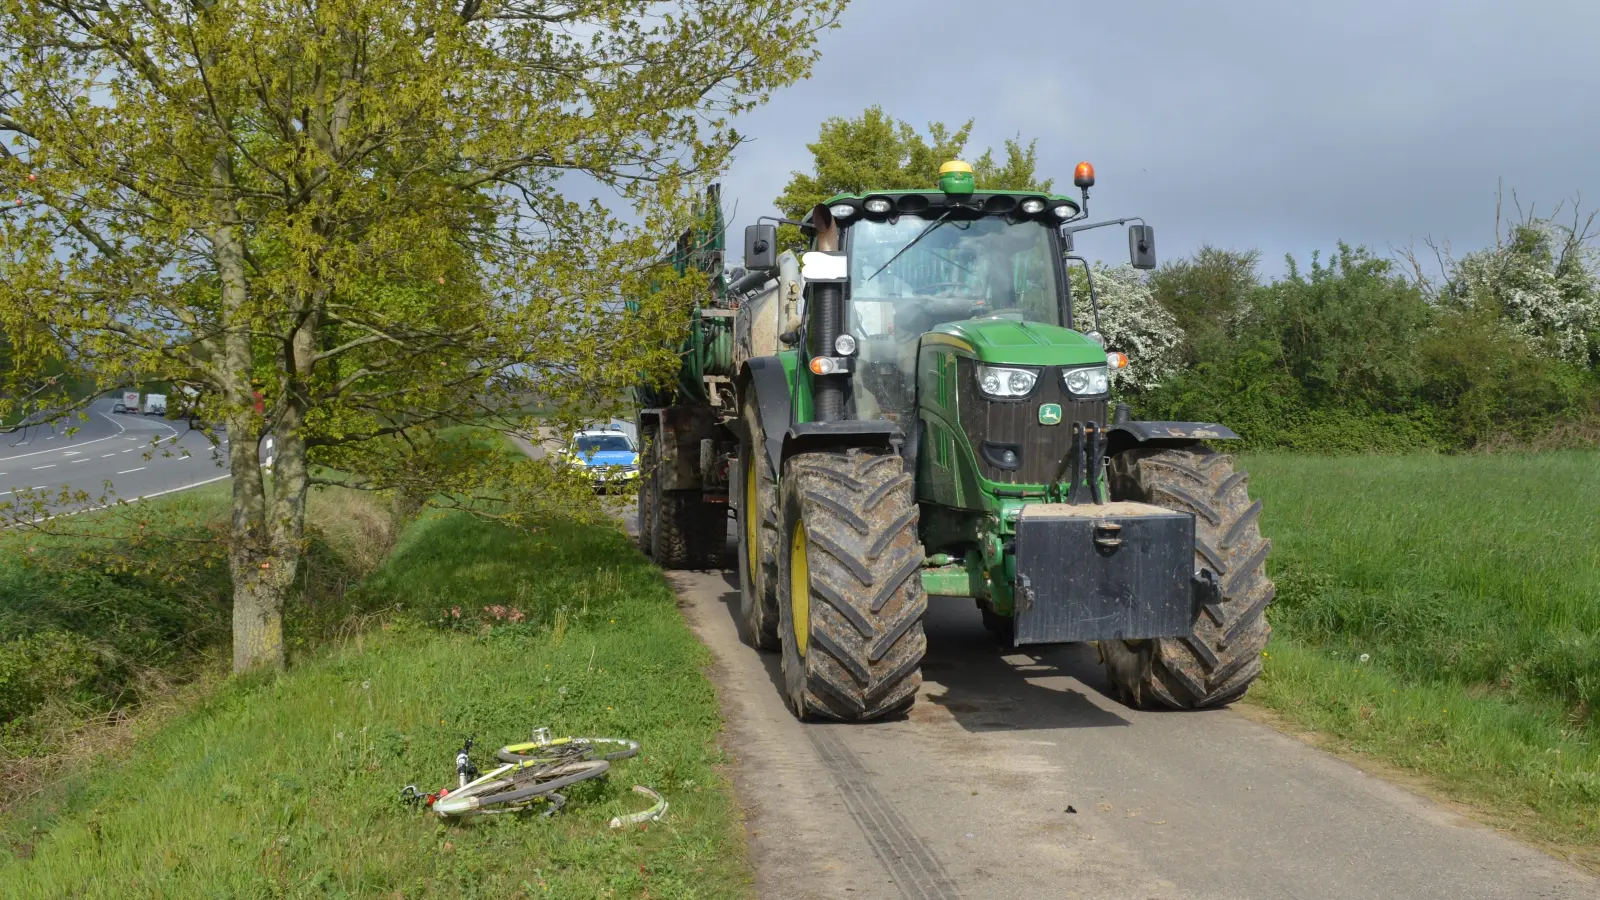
point(1217, 663)
point(850, 598)
point(758, 535)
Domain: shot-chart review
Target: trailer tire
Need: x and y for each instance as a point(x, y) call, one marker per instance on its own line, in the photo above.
point(758, 535)
point(850, 597)
point(685, 532)
point(1216, 664)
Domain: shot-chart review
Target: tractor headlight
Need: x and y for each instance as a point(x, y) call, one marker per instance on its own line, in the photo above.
point(1006, 382)
point(1091, 381)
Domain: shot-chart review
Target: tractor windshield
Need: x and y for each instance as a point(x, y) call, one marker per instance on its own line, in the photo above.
point(960, 269)
point(901, 286)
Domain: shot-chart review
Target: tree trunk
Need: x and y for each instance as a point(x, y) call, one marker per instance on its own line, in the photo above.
point(257, 575)
point(257, 622)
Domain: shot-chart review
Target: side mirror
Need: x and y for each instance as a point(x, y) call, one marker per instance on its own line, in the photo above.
point(761, 247)
point(1142, 246)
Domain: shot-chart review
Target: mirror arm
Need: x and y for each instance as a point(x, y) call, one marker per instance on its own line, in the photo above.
point(1088, 274)
point(1077, 228)
point(780, 220)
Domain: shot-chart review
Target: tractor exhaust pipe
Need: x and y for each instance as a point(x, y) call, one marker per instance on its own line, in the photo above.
point(828, 300)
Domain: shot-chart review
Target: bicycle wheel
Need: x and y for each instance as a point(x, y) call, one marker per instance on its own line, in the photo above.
point(517, 784)
point(609, 749)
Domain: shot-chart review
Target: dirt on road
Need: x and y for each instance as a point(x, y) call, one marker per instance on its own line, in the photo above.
point(1016, 776)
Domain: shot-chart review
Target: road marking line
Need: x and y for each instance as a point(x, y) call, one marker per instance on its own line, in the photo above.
point(112, 453)
point(51, 466)
point(120, 430)
point(80, 460)
point(131, 471)
point(108, 506)
point(129, 450)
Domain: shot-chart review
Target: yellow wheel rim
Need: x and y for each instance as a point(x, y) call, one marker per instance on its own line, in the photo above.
point(799, 588)
point(752, 521)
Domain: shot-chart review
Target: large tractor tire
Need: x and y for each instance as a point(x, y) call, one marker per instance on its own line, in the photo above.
point(758, 535)
point(850, 598)
point(685, 532)
point(1217, 663)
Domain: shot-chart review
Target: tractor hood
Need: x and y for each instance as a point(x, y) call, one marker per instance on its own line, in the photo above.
point(1004, 340)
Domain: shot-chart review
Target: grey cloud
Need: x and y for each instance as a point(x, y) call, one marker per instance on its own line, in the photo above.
point(1285, 126)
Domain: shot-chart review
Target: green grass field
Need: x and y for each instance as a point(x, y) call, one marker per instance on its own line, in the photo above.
point(1443, 614)
point(289, 786)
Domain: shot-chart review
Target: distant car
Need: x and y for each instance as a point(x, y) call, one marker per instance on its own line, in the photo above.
point(610, 457)
point(119, 408)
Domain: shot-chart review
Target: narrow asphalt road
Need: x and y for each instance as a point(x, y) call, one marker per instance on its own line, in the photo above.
point(1016, 775)
point(131, 456)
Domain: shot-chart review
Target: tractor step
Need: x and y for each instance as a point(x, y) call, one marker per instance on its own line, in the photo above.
point(1104, 571)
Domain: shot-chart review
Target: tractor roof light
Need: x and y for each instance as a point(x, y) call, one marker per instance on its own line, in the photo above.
point(878, 206)
point(1065, 211)
point(955, 177)
point(842, 211)
point(1033, 206)
point(1083, 175)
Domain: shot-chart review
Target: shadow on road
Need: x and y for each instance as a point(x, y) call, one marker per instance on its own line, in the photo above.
point(986, 687)
point(992, 688)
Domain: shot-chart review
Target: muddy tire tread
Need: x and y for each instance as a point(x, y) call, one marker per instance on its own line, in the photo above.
point(866, 643)
point(1216, 664)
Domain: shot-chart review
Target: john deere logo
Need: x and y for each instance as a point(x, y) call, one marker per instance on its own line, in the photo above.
point(1050, 414)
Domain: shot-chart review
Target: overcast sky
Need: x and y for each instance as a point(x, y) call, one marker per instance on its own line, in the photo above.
point(1284, 126)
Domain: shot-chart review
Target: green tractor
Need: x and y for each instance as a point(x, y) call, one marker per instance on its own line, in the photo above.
point(908, 409)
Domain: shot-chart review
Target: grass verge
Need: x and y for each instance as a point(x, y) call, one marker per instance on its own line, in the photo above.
point(288, 787)
point(1439, 614)
point(107, 614)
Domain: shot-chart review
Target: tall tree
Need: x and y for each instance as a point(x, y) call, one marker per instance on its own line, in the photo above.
point(349, 225)
point(1206, 294)
point(875, 151)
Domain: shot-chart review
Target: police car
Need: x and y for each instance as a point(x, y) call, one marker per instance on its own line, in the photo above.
point(608, 454)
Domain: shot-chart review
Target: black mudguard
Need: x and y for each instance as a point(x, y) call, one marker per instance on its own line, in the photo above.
point(806, 437)
point(1127, 435)
point(764, 376)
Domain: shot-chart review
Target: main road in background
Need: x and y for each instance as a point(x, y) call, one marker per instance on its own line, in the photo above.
point(138, 456)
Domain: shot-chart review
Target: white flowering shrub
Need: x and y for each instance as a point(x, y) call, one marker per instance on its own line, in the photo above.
point(1132, 322)
point(1544, 283)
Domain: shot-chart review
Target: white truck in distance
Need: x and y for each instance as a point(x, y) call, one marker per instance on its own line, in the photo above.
point(155, 404)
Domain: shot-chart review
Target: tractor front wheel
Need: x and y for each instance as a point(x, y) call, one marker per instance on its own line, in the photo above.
point(850, 598)
point(758, 535)
point(1215, 664)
